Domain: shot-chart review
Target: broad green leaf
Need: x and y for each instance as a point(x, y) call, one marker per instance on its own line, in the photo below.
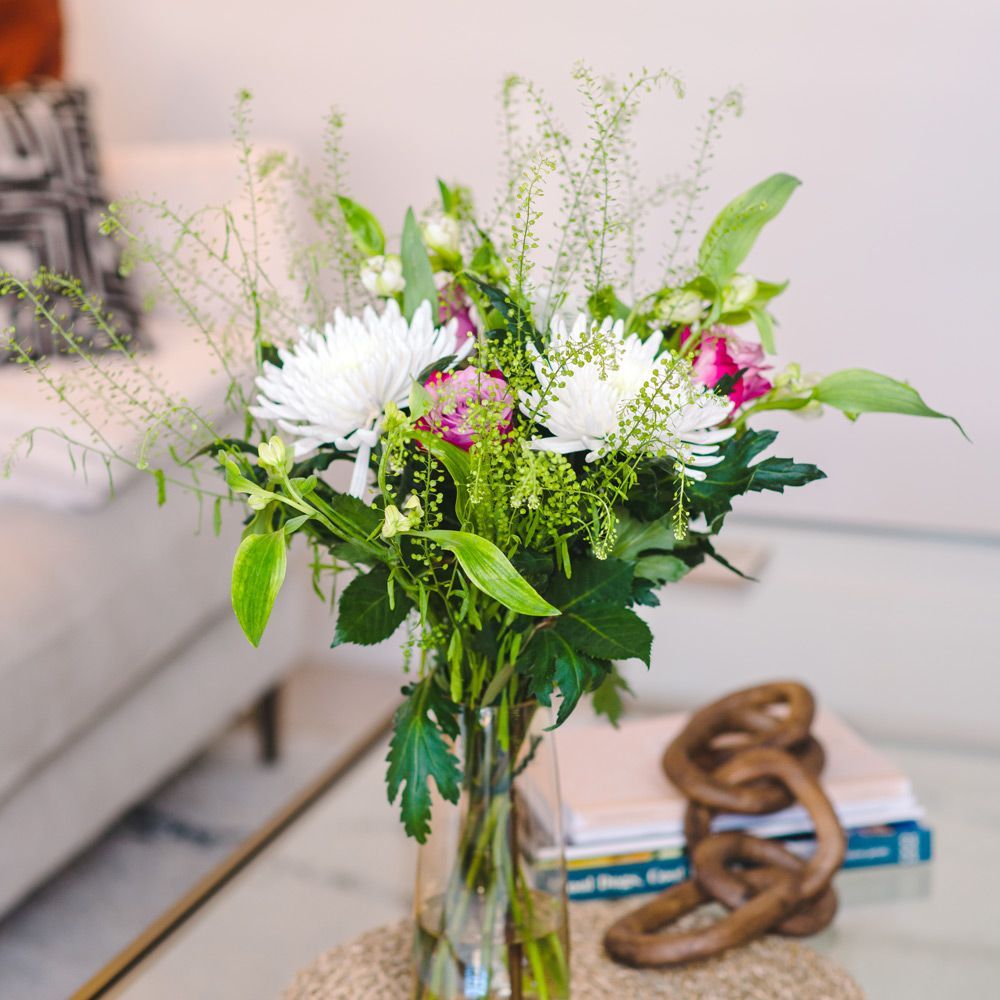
point(635, 537)
point(594, 581)
point(417, 270)
point(736, 228)
point(365, 615)
point(364, 227)
point(765, 327)
point(857, 390)
point(606, 632)
point(491, 571)
point(607, 698)
point(418, 752)
point(258, 573)
point(551, 661)
point(661, 568)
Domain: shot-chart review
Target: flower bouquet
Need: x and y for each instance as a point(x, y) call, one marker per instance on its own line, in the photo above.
point(535, 441)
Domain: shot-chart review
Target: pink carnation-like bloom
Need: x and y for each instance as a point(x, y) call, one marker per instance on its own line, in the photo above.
point(722, 353)
point(455, 395)
point(455, 304)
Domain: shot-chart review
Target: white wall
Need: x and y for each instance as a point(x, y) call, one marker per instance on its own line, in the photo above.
point(888, 111)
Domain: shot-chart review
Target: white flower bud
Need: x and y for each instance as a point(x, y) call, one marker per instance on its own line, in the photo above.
point(738, 292)
point(441, 234)
point(680, 307)
point(383, 275)
point(273, 454)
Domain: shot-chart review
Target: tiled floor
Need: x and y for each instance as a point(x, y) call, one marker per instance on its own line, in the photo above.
point(84, 916)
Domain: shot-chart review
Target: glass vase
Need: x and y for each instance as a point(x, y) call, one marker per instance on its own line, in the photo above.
point(491, 917)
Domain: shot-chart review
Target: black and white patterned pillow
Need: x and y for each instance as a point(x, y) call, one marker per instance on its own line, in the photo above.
point(51, 201)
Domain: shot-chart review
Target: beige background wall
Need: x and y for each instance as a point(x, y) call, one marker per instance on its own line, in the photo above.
point(888, 111)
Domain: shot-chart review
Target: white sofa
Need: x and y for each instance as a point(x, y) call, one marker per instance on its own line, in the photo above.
point(119, 654)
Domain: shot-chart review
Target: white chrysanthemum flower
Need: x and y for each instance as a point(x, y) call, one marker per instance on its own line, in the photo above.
point(333, 387)
point(624, 397)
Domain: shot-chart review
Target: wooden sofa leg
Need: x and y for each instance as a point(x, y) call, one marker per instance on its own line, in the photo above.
point(266, 713)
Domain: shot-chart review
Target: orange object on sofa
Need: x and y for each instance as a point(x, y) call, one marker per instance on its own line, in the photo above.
point(31, 40)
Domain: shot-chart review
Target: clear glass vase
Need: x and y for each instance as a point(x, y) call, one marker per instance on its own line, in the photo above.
point(491, 917)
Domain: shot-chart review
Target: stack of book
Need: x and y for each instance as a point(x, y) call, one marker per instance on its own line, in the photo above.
point(623, 820)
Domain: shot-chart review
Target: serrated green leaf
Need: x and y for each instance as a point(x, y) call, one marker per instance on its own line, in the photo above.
point(606, 632)
point(417, 270)
point(736, 474)
point(735, 230)
point(552, 662)
point(607, 699)
point(491, 571)
point(594, 581)
point(258, 573)
point(857, 390)
point(419, 752)
point(365, 229)
point(365, 615)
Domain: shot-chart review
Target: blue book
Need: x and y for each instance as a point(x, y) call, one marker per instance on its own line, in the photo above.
point(906, 843)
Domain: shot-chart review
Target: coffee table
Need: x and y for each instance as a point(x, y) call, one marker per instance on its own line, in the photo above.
point(335, 863)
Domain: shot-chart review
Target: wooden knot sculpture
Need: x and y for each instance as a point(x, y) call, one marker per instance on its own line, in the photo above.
point(750, 752)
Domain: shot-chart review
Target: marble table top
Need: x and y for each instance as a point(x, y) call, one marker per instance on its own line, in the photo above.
point(931, 931)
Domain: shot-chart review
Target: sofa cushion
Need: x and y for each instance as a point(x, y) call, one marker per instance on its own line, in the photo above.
point(51, 201)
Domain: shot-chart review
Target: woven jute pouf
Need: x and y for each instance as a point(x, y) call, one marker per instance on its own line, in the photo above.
point(376, 966)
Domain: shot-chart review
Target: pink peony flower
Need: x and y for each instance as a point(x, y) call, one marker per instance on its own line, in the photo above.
point(455, 304)
point(456, 395)
point(720, 353)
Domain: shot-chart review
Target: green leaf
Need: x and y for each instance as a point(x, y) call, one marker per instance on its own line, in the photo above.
point(551, 661)
point(736, 228)
point(447, 197)
point(516, 321)
point(418, 752)
point(217, 517)
point(765, 327)
point(857, 390)
point(364, 227)
point(661, 568)
point(421, 401)
point(607, 698)
point(258, 573)
point(417, 270)
point(594, 581)
point(775, 474)
point(365, 614)
point(737, 474)
point(606, 632)
point(635, 536)
point(491, 571)
point(355, 514)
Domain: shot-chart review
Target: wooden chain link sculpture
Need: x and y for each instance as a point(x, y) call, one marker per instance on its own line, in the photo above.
point(750, 752)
